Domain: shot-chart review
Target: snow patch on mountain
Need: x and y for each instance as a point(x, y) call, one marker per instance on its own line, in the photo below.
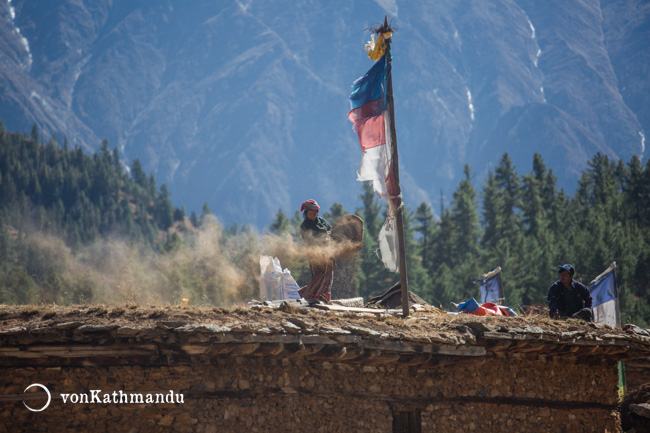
point(23, 40)
point(78, 69)
point(642, 143)
point(470, 104)
point(532, 30)
point(533, 36)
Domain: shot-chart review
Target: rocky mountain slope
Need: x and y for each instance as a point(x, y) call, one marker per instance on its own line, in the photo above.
point(243, 104)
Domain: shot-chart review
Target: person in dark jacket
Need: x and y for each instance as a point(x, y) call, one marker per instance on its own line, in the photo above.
point(569, 298)
point(315, 231)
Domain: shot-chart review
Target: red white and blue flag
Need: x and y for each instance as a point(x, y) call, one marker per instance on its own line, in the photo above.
point(368, 103)
point(370, 115)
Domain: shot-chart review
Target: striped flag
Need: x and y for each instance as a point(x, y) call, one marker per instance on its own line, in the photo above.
point(367, 104)
point(370, 116)
point(368, 101)
point(490, 286)
point(604, 292)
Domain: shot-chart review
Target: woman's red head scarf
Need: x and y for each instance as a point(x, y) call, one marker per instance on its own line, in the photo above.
point(308, 205)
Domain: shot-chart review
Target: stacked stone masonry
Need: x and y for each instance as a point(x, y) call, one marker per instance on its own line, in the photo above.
point(312, 374)
point(254, 394)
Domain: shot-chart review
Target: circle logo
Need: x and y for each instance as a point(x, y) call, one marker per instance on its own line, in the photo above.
point(49, 397)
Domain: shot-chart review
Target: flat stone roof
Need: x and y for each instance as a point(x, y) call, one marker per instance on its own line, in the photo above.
point(166, 335)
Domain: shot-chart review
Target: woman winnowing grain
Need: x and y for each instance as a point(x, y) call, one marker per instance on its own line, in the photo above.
point(314, 231)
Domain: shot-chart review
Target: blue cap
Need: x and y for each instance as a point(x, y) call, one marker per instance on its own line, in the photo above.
point(566, 267)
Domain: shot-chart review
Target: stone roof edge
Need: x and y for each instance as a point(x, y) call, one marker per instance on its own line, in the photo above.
point(72, 343)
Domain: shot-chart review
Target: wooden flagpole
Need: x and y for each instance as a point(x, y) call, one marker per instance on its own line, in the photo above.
point(502, 298)
point(399, 218)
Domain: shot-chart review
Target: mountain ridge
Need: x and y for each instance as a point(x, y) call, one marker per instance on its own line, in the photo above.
point(243, 105)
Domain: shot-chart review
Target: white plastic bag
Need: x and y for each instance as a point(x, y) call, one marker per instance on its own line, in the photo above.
point(275, 283)
point(289, 286)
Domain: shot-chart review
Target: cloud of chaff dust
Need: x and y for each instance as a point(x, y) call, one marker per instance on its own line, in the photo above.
point(204, 270)
point(110, 271)
point(209, 268)
point(296, 256)
point(118, 271)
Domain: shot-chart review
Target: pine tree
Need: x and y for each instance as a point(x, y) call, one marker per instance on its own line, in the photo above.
point(533, 206)
point(206, 212)
point(151, 186)
point(138, 174)
point(418, 278)
point(645, 208)
point(335, 213)
point(373, 277)
point(371, 211)
point(596, 207)
point(465, 220)
point(424, 228)
point(117, 165)
point(539, 248)
point(636, 192)
point(504, 236)
point(179, 214)
point(6, 244)
point(281, 224)
point(163, 209)
point(493, 219)
point(509, 188)
point(35, 137)
point(598, 186)
point(443, 286)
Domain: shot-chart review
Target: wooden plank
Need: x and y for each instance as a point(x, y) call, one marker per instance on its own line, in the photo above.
point(460, 350)
point(351, 309)
point(193, 349)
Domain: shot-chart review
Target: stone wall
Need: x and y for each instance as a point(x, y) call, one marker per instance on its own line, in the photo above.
point(257, 394)
point(637, 374)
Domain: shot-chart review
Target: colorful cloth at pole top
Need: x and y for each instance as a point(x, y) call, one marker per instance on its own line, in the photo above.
point(376, 48)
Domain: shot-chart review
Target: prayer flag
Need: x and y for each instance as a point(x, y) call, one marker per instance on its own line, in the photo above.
point(468, 306)
point(604, 292)
point(367, 105)
point(490, 286)
point(368, 102)
point(485, 309)
point(370, 116)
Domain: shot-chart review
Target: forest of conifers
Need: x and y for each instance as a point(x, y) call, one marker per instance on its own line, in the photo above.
point(64, 216)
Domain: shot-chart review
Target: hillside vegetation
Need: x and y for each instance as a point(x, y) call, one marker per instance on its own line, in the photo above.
point(76, 229)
